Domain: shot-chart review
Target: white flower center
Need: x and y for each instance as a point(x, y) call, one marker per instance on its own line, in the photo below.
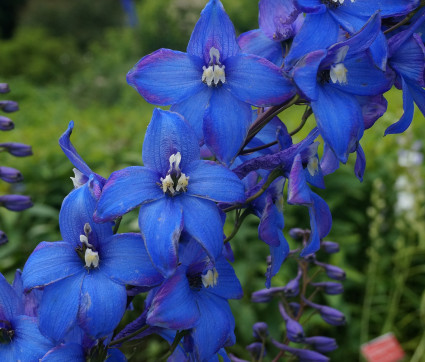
point(175, 181)
point(210, 279)
point(214, 74)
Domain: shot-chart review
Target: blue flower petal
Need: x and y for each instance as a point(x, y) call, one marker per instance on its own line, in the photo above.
point(124, 259)
point(51, 262)
point(10, 304)
point(386, 7)
point(193, 110)
point(127, 189)
point(276, 17)
point(102, 304)
point(329, 162)
point(226, 124)
point(360, 163)
point(256, 81)
point(213, 29)
point(373, 107)
point(255, 42)
point(418, 94)
point(339, 119)
point(214, 328)
point(59, 306)
point(115, 355)
point(228, 285)
point(77, 210)
point(311, 6)
point(406, 119)
point(167, 134)
point(174, 304)
point(215, 182)
point(70, 352)
point(309, 39)
point(202, 220)
point(166, 77)
point(298, 191)
point(278, 255)
point(161, 223)
point(28, 342)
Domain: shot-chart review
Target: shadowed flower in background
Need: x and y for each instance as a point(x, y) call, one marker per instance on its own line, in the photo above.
point(9, 174)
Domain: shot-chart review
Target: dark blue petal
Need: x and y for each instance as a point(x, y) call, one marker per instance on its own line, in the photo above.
point(278, 255)
point(71, 152)
point(255, 42)
point(77, 210)
point(386, 7)
point(339, 118)
point(10, 303)
point(276, 17)
point(167, 77)
point(363, 78)
point(309, 38)
point(329, 162)
point(70, 352)
point(161, 223)
point(215, 182)
point(226, 124)
point(256, 81)
point(167, 134)
point(124, 259)
point(59, 306)
point(115, 355)
point(418, 94)
point(213, 29)
point(174, 305)
point(28, 342)
point(298, 191)
point(214, 327)
point(408, 108)
point(228, 285)
point(102, 304)
point(305, 73)
point(373, 107)
point(127, 189)
point(311, 6)
point(202, 220)
point(193, 110)
point(271, 222)
point(360, 163)
point(51, 262)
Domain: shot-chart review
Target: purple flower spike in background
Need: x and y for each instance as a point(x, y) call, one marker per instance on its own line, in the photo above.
point(176, 191)
point(213, 85)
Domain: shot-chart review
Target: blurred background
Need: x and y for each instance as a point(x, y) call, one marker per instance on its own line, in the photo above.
point(68, 60)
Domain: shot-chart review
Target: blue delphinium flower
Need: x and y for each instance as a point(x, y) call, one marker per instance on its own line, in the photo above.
point(9, 174)
point(195, 297)
point(330, 15)
point(175, 189)
point(332, 79)
point(84, 276)
point(407, 58)
point(20, 338)
point(213, 85)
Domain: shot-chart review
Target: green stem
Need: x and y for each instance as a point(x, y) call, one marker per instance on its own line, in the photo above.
point(129, 336)
point(177, 339)
point(117, 224)
point(237, 226)
point(307, 113)
point(406, 19)
point(254, 149)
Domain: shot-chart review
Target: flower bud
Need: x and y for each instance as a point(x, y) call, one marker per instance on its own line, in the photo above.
point(3, 238)
point(294, 330)
point(330, 315)
point(16, 149)
point(295, 307)
point(260, 330)
point(10, 174)
point(296, 233)
point(9, 106)
point(15, 202)
point(304, 355)
point(330, 288)
point(292, 289)
point(321, 344)
point(255, 350)
point(6, 124)
point(266, 295)
point(330, 247)
point(332, 271)
point(4, 88)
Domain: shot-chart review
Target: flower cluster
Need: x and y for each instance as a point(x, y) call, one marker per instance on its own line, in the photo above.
point(9, 174)
point(210, 154)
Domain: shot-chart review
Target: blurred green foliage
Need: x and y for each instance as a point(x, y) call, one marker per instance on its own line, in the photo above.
point(68, 60)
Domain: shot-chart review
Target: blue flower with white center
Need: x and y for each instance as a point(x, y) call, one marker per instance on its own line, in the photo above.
point(332, 80)
point(175, 190)
point(195, 297)
point(350, 15)
point(213, 85)
point(20, 338)
point(84, 276)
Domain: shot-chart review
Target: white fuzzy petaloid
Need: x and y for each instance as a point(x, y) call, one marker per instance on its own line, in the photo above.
point(91, 258)
point(210, 279)
point(214, 73)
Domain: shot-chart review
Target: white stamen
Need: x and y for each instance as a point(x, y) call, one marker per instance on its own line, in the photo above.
point(210, 279)
point(91, 258)
point(182, 183)
point(168, 184)
point(175, 160)
point(214, 73)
